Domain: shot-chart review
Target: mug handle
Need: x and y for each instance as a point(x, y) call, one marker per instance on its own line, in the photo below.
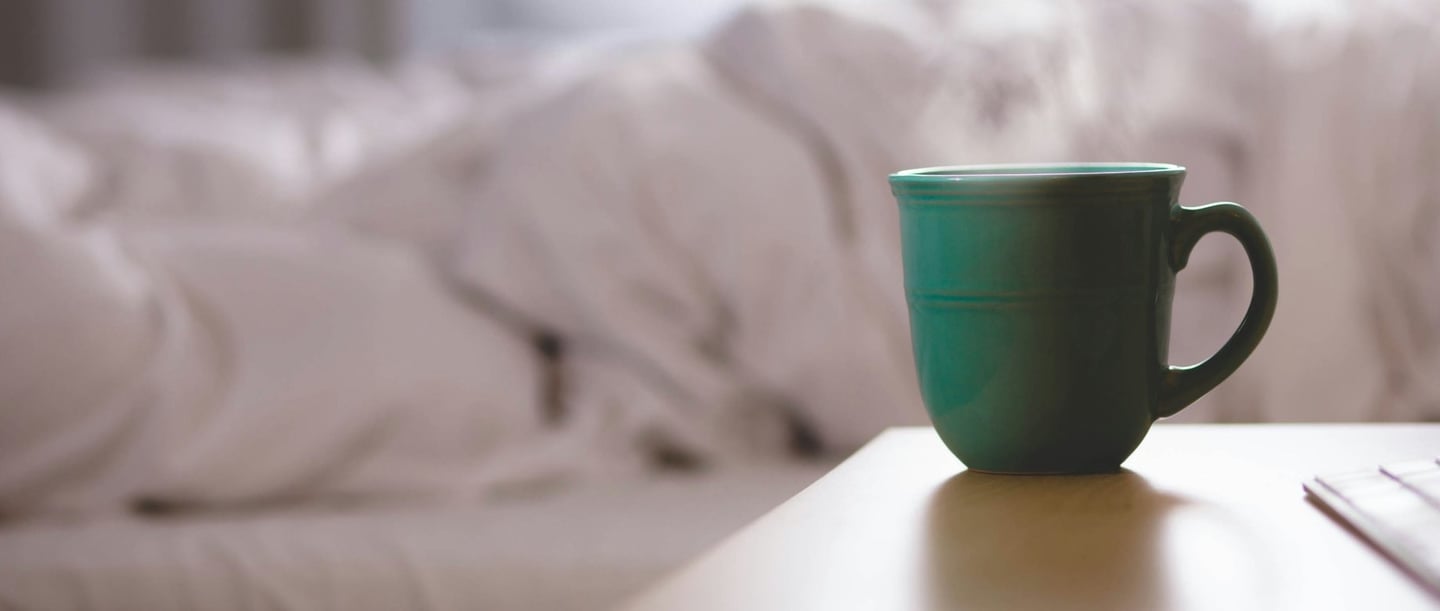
point(1181, 386)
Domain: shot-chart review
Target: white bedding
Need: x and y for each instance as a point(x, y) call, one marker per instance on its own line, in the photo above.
point(584, 549)
point(182, 296)
point(333, 282)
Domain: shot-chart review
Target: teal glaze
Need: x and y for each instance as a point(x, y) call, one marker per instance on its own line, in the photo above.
point(1040, 307)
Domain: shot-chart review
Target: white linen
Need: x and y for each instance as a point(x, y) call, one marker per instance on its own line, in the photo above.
point(245, 364)
point(179, 332)
point(585, 549)
point(704, 232)
point(1213, 86)
point(262, 141)
point(792, 116)
point(705, 263)
point(75, 329)
point(1347, 168)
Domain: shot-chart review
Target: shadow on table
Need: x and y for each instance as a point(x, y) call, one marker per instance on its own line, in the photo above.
point(1046, 542)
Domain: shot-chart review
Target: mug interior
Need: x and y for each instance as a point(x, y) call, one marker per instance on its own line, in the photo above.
point(1032, 170)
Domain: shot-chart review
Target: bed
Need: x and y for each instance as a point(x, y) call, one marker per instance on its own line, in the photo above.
point(586, 548)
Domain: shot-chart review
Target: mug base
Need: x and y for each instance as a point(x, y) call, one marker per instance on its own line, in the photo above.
point(1081, 471)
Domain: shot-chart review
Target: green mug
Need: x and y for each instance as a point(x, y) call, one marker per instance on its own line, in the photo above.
point(1040, 307)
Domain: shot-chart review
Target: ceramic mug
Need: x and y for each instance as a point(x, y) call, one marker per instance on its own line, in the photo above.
point(1040, 307)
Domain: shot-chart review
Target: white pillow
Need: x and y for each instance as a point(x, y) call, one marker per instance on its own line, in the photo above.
point(342, 368)
point(74, 326)
point(191, 365)
point(257, 142)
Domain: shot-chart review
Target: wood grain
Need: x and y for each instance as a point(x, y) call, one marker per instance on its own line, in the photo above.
point(1203, 517)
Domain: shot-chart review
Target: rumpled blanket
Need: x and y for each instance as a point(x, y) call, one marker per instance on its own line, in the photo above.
point(468, 276)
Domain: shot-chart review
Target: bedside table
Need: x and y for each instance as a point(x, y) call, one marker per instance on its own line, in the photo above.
point(1202, 517)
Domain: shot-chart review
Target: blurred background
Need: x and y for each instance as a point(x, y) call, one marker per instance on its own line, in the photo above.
point(521, 304)
point(56, 42)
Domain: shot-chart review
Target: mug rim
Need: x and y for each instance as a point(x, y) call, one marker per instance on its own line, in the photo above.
point(1028, 171)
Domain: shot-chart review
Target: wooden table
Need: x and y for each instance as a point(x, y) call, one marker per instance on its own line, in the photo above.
point(1203, 517)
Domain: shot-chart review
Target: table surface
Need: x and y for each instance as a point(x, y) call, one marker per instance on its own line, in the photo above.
point(1202, 517)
